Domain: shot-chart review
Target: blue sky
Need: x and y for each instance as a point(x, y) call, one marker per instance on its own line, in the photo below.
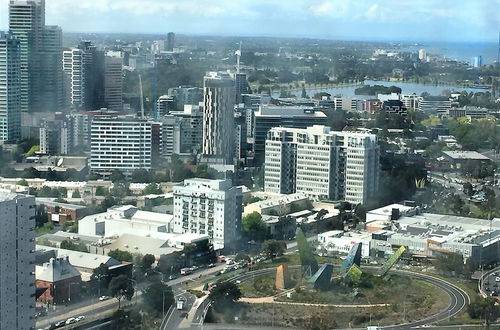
point(418, 20)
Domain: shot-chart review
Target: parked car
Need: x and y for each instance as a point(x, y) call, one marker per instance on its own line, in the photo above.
point(71, 320)
point(60, 324)
point(211, 265)
point(102, 298)
point(80, 318)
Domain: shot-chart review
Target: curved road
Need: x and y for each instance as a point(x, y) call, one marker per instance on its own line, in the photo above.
point(458, 297)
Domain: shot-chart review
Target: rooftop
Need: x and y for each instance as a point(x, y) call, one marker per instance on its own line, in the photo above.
point(80, 259)
point(57, 269)
point(472, 155)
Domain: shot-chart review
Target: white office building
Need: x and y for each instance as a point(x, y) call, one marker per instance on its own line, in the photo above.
point(321, 163)
point(74, 76)
point(17, 261)
point(10, 88)
point(218, 117)
point(123, 143)
point(209, 207)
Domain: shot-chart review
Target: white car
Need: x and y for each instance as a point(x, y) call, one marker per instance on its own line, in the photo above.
point(102, 298)
point(80, 318)
point(71, 320)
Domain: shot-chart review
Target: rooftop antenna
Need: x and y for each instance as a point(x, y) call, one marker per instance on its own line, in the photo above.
point(142, 97)
point(238, 55)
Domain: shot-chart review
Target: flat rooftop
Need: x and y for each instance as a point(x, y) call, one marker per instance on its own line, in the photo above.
point(472, 155)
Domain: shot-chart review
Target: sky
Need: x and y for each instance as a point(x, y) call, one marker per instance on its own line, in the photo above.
point(377, 20)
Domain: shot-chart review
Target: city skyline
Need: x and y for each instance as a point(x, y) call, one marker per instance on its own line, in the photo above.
point(382, 20)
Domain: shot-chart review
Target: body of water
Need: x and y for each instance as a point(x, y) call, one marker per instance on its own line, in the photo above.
point(406, 87)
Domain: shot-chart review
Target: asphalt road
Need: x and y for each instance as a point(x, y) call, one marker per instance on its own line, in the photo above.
point(458, 298)
point(489, 284)
point(93, 306)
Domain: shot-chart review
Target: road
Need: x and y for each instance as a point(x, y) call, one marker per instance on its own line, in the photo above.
point(488, 284)
point(458, 298)
point(94, 306)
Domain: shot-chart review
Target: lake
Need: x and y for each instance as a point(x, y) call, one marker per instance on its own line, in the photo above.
point(406, 87)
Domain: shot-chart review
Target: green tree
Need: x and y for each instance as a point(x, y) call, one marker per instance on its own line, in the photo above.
point(241, 257)
point(121, 255)
point(121, 287)
point(468, 189)
point(451, 264)
point(69, 245)
point(141, 175)
point(484, 309)
point(100, 191)
point(253, 226)
point(76, 194)
point(273, 248)
point(224, 295)
point(158, 296)
point(152, 189)
point(22, 182)
point(120, 189)
point(100, 278)
point(126, 320)
point(147, 261)
point(116, 175)
point(306, 254)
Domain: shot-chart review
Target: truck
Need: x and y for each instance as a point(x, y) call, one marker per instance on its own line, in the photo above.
point(180, 303)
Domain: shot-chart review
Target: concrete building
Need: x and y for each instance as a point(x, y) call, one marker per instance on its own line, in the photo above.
point(113, 86)
point(434, 104)
point(186, 95)
point(269, 116)
point(477, 61)
point(218, 118)
point(74, 76)
point(241, 86)
point(410, 100)
point(428, 234)
point(458, 159)
point(123, 143)
point(84, 262)
point(56, 137)
point(170, 41)
point(17, 261)
point(26, 23)
point(342, 242)
point(61, 212)
point(322, 163)
point(49, 91)
point(280, 205)
point(93, 70)
point(182, 131)
point(422, 55)
point(209, 207)
point(10, 88)
point(60, 279)
point(125, 219)
point(164, 105)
